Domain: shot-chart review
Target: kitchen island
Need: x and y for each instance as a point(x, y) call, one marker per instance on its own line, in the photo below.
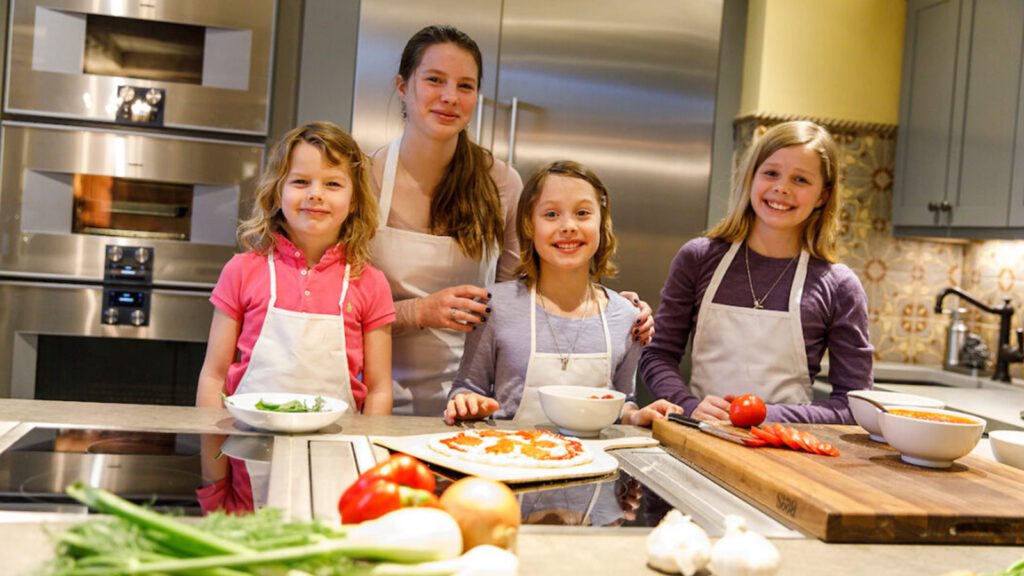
point(542, 550)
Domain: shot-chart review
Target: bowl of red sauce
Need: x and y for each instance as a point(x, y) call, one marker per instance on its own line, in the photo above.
point(581, 410)
point(931, 437)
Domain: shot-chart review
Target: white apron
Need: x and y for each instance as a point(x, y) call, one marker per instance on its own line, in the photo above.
point(416, 265)
point(739, 350)
point(296, 352)
point(545, 369)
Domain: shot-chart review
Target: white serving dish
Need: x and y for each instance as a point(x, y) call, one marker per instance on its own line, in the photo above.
point(928, 443)
point(243, 407)
point(1008, 447)
point(866, 414)
point(572, 409)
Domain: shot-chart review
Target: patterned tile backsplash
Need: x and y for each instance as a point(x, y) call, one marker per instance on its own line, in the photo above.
point(902, 276)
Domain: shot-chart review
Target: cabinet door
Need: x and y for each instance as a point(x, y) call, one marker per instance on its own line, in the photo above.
point(925, 159)
point(982, 192)
point(629, 90)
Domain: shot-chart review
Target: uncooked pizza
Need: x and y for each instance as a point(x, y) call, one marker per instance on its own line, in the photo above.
point(519, 448)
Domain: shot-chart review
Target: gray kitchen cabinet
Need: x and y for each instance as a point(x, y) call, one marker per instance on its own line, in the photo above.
point(959, 152)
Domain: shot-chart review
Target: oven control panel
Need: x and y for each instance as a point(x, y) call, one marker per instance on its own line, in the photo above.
point(128, 264)
point(125, 307)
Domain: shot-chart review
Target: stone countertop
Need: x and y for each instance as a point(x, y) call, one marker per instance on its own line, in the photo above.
point(542, 550)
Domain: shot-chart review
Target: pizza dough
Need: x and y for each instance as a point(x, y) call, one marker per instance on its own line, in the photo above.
point(513, 448)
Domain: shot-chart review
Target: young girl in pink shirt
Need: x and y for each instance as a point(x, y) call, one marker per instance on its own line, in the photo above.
point(302, 310)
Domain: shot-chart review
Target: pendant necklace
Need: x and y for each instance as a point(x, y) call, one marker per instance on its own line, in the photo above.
point(567, 355)
point(759, 302)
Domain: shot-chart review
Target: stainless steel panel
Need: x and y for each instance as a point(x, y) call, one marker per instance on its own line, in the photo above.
point(87, 96)
point(629, 90)
point(110, 153)
point(384, 28)
point(28, 309)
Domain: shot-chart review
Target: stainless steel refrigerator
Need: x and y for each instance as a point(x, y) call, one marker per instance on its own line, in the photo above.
point(627, 88)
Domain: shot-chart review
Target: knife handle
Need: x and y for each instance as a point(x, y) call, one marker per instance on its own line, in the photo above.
point(684, 420)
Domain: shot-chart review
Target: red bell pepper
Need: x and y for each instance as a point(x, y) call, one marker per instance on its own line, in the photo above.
point(376, 497)
point(399, 482)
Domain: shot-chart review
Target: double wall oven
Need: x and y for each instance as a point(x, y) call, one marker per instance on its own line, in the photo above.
point(133, 133)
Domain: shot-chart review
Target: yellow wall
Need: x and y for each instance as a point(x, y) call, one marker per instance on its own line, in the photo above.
point(836, 59)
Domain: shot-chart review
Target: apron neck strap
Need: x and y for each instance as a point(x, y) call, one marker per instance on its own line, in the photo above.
point(273, 279)
point(344, 288)
point(387, 186)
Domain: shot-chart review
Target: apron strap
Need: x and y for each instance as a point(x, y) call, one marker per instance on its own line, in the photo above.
point(607, 338)
point(273, 279)
point(716, 278)
point(533, 320)
point(344, 289)
point(387, 187)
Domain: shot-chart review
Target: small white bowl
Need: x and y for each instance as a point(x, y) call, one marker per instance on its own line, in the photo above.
point(929, 443)
point(1008, 447)
point(243, 407)
point(866, 414)
point(572, 409)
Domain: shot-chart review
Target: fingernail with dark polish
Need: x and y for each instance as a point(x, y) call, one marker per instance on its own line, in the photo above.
point(637, 321)
point(488, 310)
point(635, 331)
point(483, 319)
point(488, 295)
point(636, 300)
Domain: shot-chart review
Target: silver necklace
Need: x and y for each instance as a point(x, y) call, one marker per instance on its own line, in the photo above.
point(567, 355)
point(759, 302)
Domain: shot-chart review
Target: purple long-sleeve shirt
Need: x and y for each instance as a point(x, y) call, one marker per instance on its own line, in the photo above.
point(833, 313)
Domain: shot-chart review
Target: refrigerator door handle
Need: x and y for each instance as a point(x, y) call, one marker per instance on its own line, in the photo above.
point(479, 130)
point(512, 131)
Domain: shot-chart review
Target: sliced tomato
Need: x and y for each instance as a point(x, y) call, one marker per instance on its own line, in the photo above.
point(790, 436)
point(754, 442)
point(828, 449)
point(808, 442)
point(768, 436)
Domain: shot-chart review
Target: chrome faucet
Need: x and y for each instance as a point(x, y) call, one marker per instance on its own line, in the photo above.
point(1005, 354)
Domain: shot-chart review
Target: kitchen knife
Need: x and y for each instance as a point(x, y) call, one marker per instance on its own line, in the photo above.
point(714, 429)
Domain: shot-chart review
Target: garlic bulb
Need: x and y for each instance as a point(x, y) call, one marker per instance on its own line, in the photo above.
point(678, 545)
point(741, 552)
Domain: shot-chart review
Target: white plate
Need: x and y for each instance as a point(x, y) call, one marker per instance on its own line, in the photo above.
point(243, 407)
point(603, 463)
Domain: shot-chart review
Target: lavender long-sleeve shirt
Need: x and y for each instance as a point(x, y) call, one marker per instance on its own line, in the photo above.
point(833, 313)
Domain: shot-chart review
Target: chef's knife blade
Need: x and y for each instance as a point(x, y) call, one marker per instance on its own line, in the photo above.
point(710, 428)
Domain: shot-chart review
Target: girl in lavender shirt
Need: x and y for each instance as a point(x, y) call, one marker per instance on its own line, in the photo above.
point(555, 325)
point(763, 296)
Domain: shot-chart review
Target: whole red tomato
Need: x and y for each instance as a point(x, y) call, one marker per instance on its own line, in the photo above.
point(747, 410)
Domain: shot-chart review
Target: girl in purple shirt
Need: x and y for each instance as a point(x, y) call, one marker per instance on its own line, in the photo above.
point(762, 295)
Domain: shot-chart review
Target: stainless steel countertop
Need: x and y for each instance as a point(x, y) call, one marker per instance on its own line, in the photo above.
point(542, 550)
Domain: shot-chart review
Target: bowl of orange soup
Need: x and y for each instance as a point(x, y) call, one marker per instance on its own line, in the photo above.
point(930, 437)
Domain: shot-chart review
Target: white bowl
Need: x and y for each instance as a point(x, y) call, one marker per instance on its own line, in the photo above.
point(572, 409)
point(1008, 447)
point(866, 414)
point(929, 443)
point(243, 407)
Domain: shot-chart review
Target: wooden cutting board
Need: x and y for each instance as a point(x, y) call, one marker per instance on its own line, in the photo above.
point(865, 495)
point(603, 463)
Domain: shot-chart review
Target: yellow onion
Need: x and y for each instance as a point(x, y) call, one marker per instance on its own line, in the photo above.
point(487, 512)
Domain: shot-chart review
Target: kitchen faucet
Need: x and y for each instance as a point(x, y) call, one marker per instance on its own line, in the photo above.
point(1005, 354)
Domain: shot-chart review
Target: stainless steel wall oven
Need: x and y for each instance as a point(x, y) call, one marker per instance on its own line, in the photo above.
point(194, 64)
point(133, 132)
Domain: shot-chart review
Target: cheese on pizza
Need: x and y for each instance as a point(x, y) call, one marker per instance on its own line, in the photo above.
point(522, 448)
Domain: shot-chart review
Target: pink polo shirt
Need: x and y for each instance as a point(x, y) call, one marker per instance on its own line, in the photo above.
point(243, 292)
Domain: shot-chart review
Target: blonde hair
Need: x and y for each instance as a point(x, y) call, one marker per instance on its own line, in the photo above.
point(338, 149)
point(821, 227)
point(601, 265)
point(466, 204)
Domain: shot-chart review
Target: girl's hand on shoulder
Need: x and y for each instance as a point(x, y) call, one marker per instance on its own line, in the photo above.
point(643, 329)
point(713, 408)
point(459, 308)
point(469, 406)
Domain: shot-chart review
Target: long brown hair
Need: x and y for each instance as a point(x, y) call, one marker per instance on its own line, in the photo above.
point(466, 204)
point(601, 265)
point(339, 149)
point(821, 227)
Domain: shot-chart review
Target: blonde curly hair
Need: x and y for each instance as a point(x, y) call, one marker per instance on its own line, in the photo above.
point(338, 148)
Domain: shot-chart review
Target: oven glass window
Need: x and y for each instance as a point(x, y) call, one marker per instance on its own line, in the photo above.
point(110, 206)
point(146, 49)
